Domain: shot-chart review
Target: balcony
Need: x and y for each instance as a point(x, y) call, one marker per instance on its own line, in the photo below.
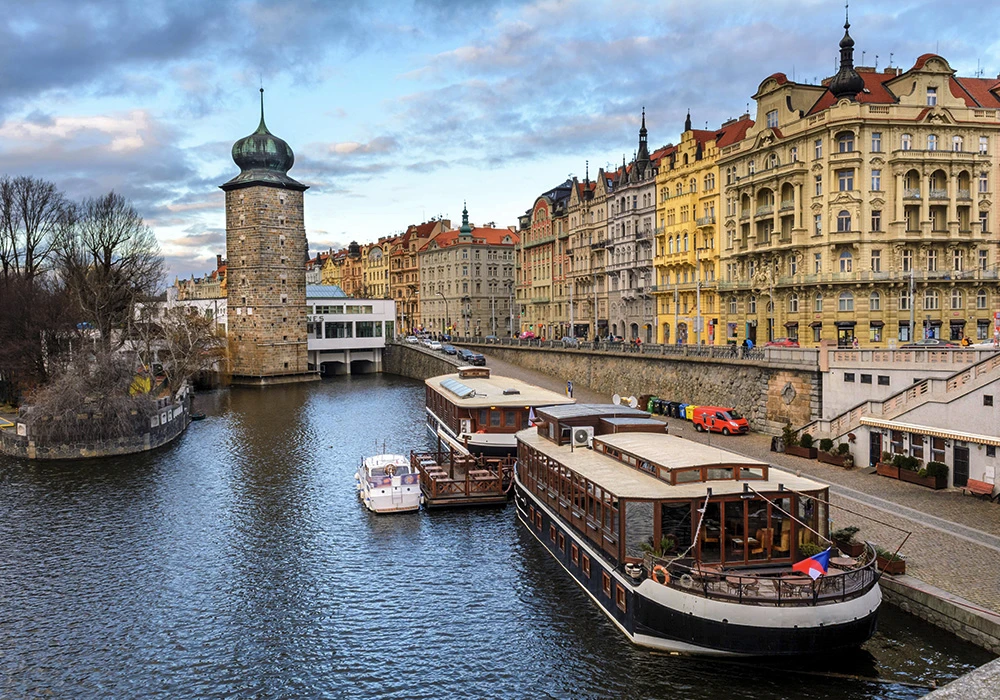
point(787, 204)
point(765, 209)
point(745, 214)
point(705, 220)
point(965, 194)
point(938, 194)
point(911, 193)
point(600, 244)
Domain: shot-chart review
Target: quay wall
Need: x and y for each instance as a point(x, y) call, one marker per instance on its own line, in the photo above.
point(416, 362)
point(769, 394)
point(981, 684)
point(170, 420)
point(944, 610)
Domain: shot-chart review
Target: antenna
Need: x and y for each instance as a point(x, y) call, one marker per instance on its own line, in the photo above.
point(863, 57)
point(890, 59)
point(876, 62)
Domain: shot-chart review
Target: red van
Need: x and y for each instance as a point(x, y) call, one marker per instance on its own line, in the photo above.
point(715, 419)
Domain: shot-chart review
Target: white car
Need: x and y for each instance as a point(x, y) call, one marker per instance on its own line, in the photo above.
point(433, 345)
point(412, 339)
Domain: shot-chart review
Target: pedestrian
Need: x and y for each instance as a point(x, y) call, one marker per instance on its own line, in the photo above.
point(856, 344)
point(569, 388)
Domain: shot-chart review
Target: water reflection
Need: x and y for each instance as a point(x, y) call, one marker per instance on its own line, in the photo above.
point(237, 562)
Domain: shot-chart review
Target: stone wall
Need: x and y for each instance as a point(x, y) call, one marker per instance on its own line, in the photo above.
point(171, 420)
point(769, 395)
point(416, 362)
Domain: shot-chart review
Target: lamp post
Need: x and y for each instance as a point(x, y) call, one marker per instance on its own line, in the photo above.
point(510, 305)
point(697, 292)
point(445, 316)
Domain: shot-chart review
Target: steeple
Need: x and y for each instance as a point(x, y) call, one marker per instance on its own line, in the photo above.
point(687, 122)
point(466, 230)
point(642, 157)
point(847, 83)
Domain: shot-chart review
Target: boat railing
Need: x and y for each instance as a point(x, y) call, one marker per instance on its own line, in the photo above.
point(775, 587)
point(444, 474)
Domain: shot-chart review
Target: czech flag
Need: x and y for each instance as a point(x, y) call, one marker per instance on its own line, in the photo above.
point(815, 566)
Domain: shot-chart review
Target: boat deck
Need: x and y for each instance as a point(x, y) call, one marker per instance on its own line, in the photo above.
point(450, 480)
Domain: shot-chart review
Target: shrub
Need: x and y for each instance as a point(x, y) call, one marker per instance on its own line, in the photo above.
point(886, 457)
point(938, 470)
point(886, 554)
point(788, 436)
point(806, 440)
point(922, 473)
point(906, 462)
point(845, 534)
point(843, 449)
point(810, 549)
point(826, 444)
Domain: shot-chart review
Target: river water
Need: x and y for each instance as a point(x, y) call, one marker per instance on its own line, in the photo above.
point(238, 563)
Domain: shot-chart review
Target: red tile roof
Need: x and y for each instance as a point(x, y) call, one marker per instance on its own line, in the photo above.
point(977, 92)
point(733, 132)
point(874, 92)
point(480, 236)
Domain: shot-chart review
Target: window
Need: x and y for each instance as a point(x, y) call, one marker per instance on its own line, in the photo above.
point(793, 265)
point(956, 143)
point(819, 185)
point(752, 305)
point(932, 142)
point(932, 260)
point(846, 262)
point(984, 222)
point(984, 145)
point(991, 450)
point(876, 220)
point(606, 583)
point(984, 182)
point(586, 565)
point(845, 142)
point(843, 221)
point(866, 379)
point(562, 542)
point(987, 399)
point(817, 332)
point(931, 96)
point(907, 260)
point(818, 302)
point(772, 119)
point(751, 167)
point(846, 302)
point(552, 533)
point(620, 597)
point(931, 300)
point(793, 304)
point(876, 180)
point(876, 142)
point(817, 263)
point(732, 306)
point(904, 302)
point(574, 554)
point(875, 333)
point(906, 142)
point(958, 260)
point(883, 380)
point(981, 299)
point(849, 377)
point(818, 148)
point(957, 299)
point(875, 302)
point(818, 225)
point(904, 331)
point(876, 260)
point(845, 180)
point(795, 154)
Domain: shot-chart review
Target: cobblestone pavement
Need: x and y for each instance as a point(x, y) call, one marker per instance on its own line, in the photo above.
point(955, 538)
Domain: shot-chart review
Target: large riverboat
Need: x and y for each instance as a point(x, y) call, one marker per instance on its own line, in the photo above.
point(474, 412)
point(686, 547)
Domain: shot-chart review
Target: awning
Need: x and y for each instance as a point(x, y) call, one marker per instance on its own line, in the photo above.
point(816, 324)
point(904, 324)
point(957, 322)
point(876, 324)
point(932, 323)
point(845, 324)
point(928, 430)
point(792, 324)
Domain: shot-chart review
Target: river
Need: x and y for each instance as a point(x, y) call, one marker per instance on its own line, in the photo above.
point(237, 563)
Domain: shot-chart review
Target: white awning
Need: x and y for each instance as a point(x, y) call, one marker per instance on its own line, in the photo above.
point(928, 430)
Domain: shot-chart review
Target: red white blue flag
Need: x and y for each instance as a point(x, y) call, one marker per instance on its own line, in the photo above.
point(815, 566)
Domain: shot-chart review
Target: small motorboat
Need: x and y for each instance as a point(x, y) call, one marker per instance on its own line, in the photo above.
point(387, 483)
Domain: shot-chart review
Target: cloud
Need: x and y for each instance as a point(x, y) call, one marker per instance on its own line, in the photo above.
point(206, 240)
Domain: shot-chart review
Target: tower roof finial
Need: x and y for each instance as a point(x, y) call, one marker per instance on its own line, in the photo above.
point(262, 125)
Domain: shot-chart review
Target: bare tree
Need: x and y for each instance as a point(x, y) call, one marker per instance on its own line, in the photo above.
point(109, 259)
point(189, 343)
point(32, 214)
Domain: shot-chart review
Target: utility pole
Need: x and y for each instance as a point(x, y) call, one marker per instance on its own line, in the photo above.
point(493, 310)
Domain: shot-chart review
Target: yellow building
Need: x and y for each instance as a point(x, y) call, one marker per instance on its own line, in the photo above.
point(862, 208)
point(375, 268)
point(333, 268)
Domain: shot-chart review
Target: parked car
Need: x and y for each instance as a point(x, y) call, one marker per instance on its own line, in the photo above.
point(449, 350)
point(412, 340)
point(433, 345)
point(527, 335)
point(569, 342)
point(475, 358)
point(716, 419)
point(464, 354)
point(782, 343)
point(445, 338)
point(492, 339)
point(932, 343)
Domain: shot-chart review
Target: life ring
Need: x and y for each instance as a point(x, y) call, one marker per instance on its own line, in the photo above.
point(686, 580)
point(666, 575)
point(390, 470)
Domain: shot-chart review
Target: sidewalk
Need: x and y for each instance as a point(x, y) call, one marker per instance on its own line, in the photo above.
point(955, 540)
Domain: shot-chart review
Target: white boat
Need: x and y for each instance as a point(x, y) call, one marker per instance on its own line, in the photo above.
point(387, 483)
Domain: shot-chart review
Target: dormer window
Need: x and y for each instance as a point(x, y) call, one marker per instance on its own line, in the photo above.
point(931, 96)
point(772, 119)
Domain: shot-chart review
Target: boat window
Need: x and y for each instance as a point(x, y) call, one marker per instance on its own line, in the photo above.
point(736, 541)
point(494, 419)
point(686, 476)
point(711, 534)
point(761, 534)
point(720, 473)
point(807, 513)
point(751, 473)
point(484, 417)
point(781, 526)
point(510, 419)
point(639, 530)
point(675, 526)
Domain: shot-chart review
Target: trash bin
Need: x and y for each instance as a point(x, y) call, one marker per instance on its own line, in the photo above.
point(682, 410)
point(689, 412)
point(672, 409)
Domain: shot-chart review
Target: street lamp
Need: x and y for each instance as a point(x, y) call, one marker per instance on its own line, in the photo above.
point(445, 316)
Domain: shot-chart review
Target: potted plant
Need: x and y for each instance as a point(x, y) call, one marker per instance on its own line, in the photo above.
point(844, 539)
point(908, 468)
point(887, 466)
point(933, 476)
point(809, 549)
point(890, 562)
point(837, 457)
point(804, 448)
point(788, 437)
point(666, 546)
point(847, 459)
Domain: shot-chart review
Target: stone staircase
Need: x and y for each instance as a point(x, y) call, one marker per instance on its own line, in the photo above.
point(940, 390)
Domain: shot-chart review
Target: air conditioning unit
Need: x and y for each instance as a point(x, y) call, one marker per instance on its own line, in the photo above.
point(583, 436)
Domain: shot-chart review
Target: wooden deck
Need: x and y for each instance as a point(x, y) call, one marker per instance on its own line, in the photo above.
point(450, 480)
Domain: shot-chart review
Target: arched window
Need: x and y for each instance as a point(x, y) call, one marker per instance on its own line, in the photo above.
point(981, 299)
point(931, 300)
point(694, 184)
point(875, 302)
point(679, 189)
point(956, 143)
point(793, 303)
point(752, 305)
point(846, 262)
point(670, 244)
point(818, 302)
point(906, 142)
point(845, 302)
point(772, 161)
point(843, 221)
point(957, 299)
point(751, 168)
point(685, 242)
point(845, 141)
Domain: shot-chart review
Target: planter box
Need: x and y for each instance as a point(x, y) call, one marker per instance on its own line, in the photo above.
point(831, 458)
point(896, 567)
point(850, 549)
point(887, 469)
point(930, 482)
point(799, 451)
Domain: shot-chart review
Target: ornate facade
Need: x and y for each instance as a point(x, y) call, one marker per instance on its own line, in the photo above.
point(542, 264)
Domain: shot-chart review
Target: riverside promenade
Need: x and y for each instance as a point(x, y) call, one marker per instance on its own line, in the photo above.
point(952, 555)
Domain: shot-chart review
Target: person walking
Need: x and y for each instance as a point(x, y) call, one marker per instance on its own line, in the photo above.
point(856, 344)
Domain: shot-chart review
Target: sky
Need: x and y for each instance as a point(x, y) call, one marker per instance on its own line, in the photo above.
point(401, 111)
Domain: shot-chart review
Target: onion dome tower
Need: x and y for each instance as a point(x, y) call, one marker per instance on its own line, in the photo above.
point(847, 83)
point(465, 232)
point(263, 158)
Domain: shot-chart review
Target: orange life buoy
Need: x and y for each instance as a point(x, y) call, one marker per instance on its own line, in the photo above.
point(662, 570)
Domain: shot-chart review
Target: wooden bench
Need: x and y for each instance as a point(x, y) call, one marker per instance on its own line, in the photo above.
point(979, 488)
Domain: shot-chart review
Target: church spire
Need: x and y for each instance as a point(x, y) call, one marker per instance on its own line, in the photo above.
point(642, 156)
point(687, 122)
point(847, 83)
point(466, 230)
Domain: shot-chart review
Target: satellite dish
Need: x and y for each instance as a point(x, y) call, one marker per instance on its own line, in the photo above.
point(633, 402)
point(616, 400)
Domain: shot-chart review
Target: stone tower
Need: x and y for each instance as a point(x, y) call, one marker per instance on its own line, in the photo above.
point(266, 244)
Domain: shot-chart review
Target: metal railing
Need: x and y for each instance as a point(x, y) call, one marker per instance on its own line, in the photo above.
point(911, 193)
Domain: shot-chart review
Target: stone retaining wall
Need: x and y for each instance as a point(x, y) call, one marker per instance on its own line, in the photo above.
point(171, 420)
point(416, 362)
point(768, 395)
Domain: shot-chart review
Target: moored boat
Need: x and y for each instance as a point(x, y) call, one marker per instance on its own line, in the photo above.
point(387, 483)
point(685, 547)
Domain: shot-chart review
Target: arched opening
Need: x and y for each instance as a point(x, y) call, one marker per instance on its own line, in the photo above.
point(666, 333)
point(633, 331)
point(362, 367)
point(682, 333)
point(333, 368)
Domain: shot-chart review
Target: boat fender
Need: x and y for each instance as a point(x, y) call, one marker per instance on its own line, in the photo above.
point(686, 580)
point(658, 569)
